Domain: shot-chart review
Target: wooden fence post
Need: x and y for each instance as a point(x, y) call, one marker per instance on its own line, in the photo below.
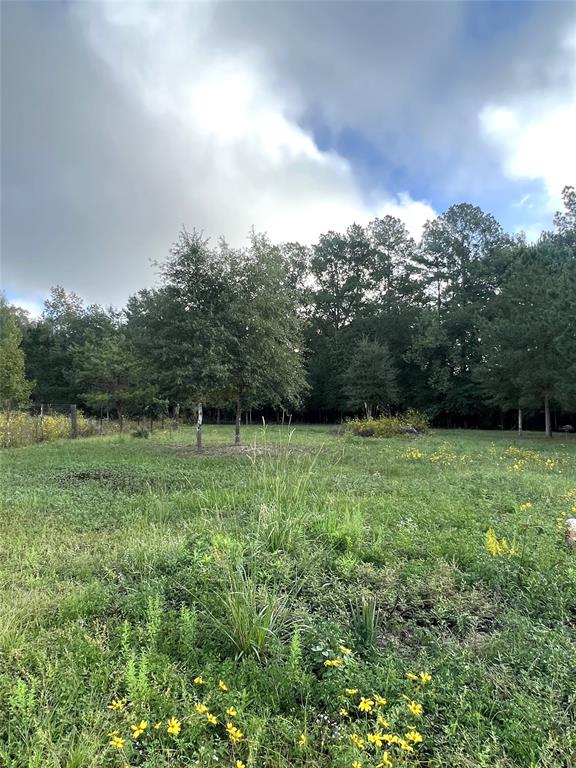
point(73, 421)
point(41, 421)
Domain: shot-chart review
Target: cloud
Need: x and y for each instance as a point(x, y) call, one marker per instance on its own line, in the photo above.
point(235, 131)
point(534, 135)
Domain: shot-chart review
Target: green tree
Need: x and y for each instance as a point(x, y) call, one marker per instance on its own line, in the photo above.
point(370, 381)
point(262, 330)
point(108, 373)
point(14, 387)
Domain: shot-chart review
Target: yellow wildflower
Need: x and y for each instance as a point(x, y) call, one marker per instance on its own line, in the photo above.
point(405, 746)
point(201, 708)
point(231, 712)
point(344, 712)
point(117, 742)
point(380, 700)
point(356, 740)
point(386, 762)
point(117, 704)
point(526, 506)
point(415, 708)
point(425, 677)
point(351, 691)
point(234, 734)
point(414, 735)
point(222, 685)
point(157, 725)
point(239, 764)
point(337, 662)
point(138, 730)
point(199, 680)
point(302, 741)
point(212, 719)
point(174, 726)
point(376, 739)
point(412, 676)
point(356, 764)
point(365, 705)
point(344, 650)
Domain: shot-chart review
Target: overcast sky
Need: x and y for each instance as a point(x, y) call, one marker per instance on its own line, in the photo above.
point(123, 121)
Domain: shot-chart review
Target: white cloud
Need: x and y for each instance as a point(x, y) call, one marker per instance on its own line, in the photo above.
point(34, 307)
point(535, 135)
point(239, 143)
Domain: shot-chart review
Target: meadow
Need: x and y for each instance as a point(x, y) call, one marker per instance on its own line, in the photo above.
point(312, 599)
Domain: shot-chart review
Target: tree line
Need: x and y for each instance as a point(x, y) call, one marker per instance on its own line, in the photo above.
point(468, 325)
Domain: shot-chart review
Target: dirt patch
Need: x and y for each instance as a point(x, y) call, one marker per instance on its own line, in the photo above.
point(224, 451)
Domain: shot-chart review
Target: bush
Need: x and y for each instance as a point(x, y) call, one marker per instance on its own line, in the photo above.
point(141, 432)
point(389, 426)
point(18, 428)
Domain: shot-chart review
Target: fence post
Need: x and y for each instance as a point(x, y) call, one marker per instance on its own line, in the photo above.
point(41, 421)
point(73, 421)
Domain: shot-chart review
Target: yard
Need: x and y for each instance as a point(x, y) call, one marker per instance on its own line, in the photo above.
point(309, 600)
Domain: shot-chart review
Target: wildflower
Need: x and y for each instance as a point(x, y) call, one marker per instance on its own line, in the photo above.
point(174, 726)
point(344, 650)
point(380, 700)
point(222, 685)
point(376, 739)
point(117, 742)
point(138, 730)
point(356, 740)
point(239, 764)
point(365, 705)
point(212, 719)
point(199, 680)
point(383, 722)
point(412, 676)
point(351, 691)
point(414, 735)
point(405, 746)
point(337, 662)
point(386, 762)
point(302, 741)
point(231, 712)
point(234, 734)
point(425, 677)
point(201, 708)
point(415, 708)
point(356, 764)
point(117, 704)
point(498, 547)
point(158, 725)
point(525, 507)
point(344, 712)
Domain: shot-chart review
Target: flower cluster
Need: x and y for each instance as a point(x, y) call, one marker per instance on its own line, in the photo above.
point(498, 547)
point(140, 732)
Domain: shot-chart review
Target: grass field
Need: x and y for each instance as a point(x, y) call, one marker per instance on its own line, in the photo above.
point(136, 572)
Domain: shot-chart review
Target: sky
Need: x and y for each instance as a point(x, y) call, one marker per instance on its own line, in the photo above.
point(123, 121)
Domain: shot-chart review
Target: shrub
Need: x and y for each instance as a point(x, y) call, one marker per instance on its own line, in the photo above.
point(18, 428)
point(389, 426)
point(141, 432)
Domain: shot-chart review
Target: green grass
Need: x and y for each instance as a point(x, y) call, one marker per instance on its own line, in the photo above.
point(130, 567)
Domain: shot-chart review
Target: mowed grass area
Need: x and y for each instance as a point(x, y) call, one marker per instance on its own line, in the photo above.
point(133, 569)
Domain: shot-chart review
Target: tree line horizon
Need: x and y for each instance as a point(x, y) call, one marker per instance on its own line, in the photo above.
point(470, 325)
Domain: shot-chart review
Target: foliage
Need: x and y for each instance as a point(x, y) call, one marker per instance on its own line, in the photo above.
point(389, 426)
point(18, 428)
point(14, 387)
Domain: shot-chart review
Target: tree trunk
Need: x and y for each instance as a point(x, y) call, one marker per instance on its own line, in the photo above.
point(238, 419)
point(217, 415)
point(519, 422)
point(199, 428)
point(121, 420)
point(547, 420)
point(176, 415)
point(41, 421)
point(73, 421)
point(151, 423)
